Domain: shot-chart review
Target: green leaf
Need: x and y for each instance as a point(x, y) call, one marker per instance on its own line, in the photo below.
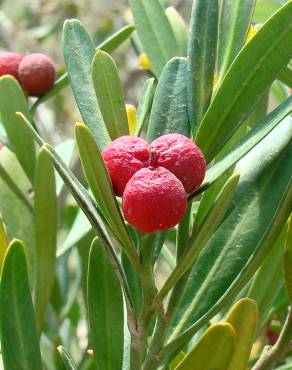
point(45, 233)
point(78, 52)
point(253, 138)
point(220, 340)
point(269, 279)
point(13, 100)
point(155, 32)
point(202, 49)
point(3, 243)
point(109, 93)
point(253, 71)
point(260, 208)
point(100, 184)
point(285, 76)
point(109, 45)
point(145, 104)
point(169, 111)
point(19, 339)
point(105, 310)
point(234, 23)
point(243, 317)
point(65, 150)
point(67, 359)
point(179, 28)
point(288, 259)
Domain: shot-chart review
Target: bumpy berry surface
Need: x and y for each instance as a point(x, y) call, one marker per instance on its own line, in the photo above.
point(9, 63)
point(179, 155)
point(36, 74)
point(154, 200)
point(123, 158)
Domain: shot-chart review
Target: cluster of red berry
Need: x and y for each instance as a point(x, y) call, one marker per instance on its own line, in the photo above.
point(154, 180)
point(35, 72)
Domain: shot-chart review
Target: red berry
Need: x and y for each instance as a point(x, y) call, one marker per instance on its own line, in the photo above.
point(179, 155)
point(36, 74)
point(123, 158)
point(154, 200)
point(9, 63)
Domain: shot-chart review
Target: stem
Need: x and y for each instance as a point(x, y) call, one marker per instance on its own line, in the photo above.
point(272, 355)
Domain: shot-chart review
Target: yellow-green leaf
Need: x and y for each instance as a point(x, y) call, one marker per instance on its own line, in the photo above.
point(3, 243)
point(288, 259)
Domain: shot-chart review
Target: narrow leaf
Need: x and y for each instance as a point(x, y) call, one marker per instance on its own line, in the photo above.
point(45, 232)
point(78, 52)
point(179, 28)
point(253, 71)
point(169, 111)
point(288, 259)
point(145, 104)
point(3, 243)
point(105, 310)
point(202, 48)
point(155, 32)
point(19, 339)
point(220, 339)
point(13, 100)
point(243, 317)
point(109, 93)
point(99, 182)
point(253, 138)
point(67, 359)
point(234, 23)
point(285, 76)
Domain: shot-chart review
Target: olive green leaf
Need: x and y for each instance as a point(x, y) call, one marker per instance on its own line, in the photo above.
point(12, 100)
point(45, 214)
point(179, 28)
point(109, 93)
point(220, 340)
point(105, 310)
point(169, 110)
point(243, 317)
point(234, 22)
point(155, 32)
point(285, 76)
point(202, 49)
point(78, 52)
point(253, 71)
point(145, 104)
point(288, 259)
point(19, 338)
point(3, 243)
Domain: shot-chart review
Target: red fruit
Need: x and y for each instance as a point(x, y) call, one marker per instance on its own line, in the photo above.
point(36, 74)
point(123, 158)
point(154, 200)
point(9, 63)
point(179, 155)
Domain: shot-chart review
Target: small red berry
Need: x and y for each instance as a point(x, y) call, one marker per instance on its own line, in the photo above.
point(36, 74)
point(123, 158)
point(9, 63)
point(179, 155)
point(154, 200)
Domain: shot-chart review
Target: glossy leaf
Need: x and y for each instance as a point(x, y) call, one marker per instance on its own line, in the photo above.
point(105, 310)
point(13, 100)
point(109, 93)
point(253, 138)
point(253, 71)
point(45, 214)
point(100, 184)
point(234, 23)
point(202, 51)
point(179, 28)
point(78, 52)
point(155, 32)
point(288, 259)
point(67, 359)
point(145, 104)
point(243, 317)
point(3, 243)
point(220, 340)
point(109, 45)
point(269, 279)
point(169, 110)
point(19, 339)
